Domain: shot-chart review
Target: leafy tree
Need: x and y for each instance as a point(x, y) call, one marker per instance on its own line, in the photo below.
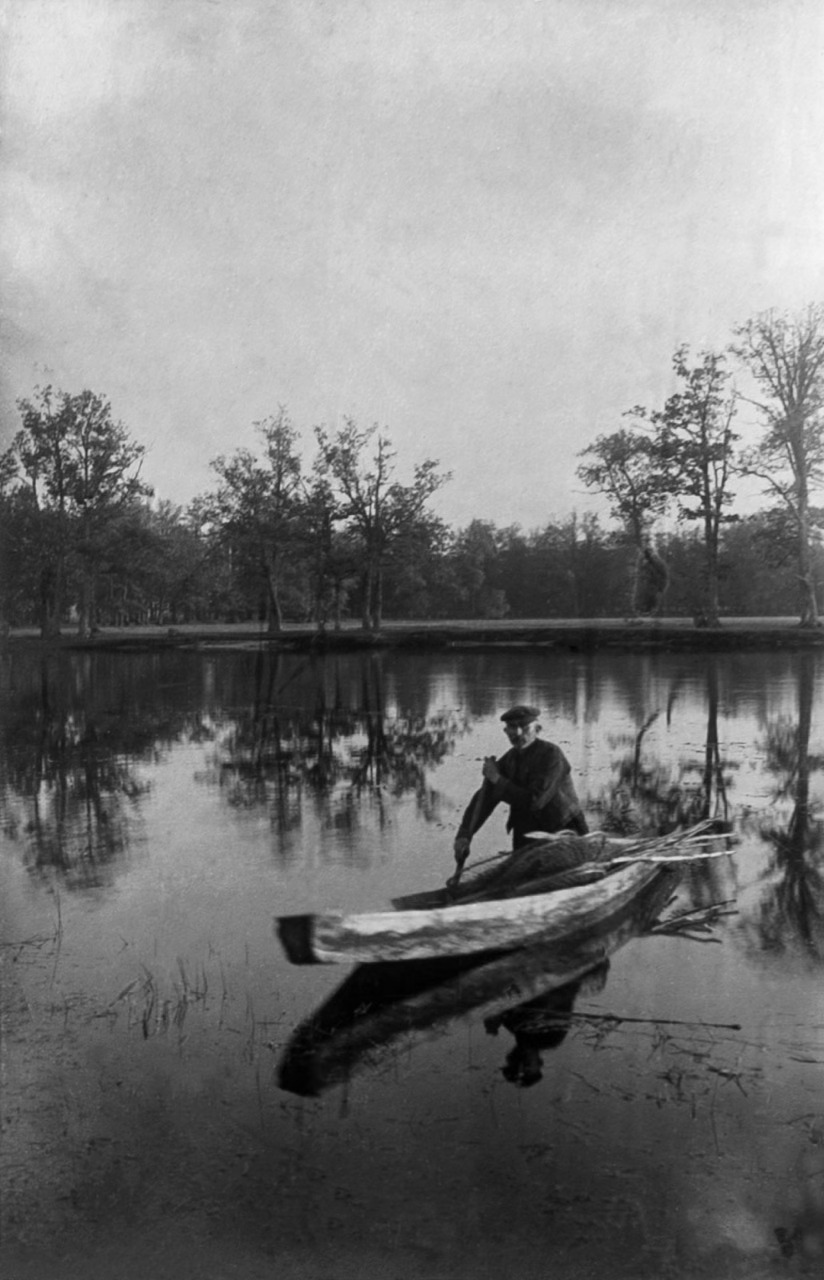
point(577, 569)
point(81, 470)
point(785, 356)
point(176, 570)
point(378, 508)
point(596, 566)
point(627, 468)
point(755, 554)
point(256, 506)
point(416, 573)
point(686, 561)
point(555, 559)
point(19, 549)
point(331, 552)
point(476, 572)
point(695, 440)
point(519, 572)
point(155, 568)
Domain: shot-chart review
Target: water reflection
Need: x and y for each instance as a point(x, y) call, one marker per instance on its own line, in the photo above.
point(540, 1025)
point(648, 794)
point(341, 743)
point(335, 747)
point(379, 1006)
point(80, 732)
point(661, 1141)
point(791, 907)
point(70, 754)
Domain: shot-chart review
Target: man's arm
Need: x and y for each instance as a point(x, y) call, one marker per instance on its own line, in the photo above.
point(545, 778)
point(477, 811)
point(475, 815)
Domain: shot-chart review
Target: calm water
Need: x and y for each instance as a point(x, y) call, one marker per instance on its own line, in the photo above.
point(160, 810)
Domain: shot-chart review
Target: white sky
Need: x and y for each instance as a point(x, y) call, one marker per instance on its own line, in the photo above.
point(483, 224)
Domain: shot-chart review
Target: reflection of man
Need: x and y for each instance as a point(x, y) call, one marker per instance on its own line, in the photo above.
point(542, 1024)
point(533, 778)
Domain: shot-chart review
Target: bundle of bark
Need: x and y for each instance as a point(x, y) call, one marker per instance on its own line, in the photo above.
point(539, 866)
point(565, 860)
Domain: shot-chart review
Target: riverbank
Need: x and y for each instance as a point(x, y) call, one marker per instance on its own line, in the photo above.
point(573, 635)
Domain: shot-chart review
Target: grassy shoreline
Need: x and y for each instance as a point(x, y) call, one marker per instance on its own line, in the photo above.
point(577, 635)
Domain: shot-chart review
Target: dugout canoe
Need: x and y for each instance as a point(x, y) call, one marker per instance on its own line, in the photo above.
point(466, 927)
point(380, 1009)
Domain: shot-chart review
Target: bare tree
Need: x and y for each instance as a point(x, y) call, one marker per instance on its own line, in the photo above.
point(695, 439)
point(785, 355)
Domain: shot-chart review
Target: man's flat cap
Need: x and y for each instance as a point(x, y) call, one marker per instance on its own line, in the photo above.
point(520, 715)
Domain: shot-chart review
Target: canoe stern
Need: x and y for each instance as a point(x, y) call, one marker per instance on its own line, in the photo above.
point(296, 935)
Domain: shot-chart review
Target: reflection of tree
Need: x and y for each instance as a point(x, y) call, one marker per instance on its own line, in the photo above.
point(338, 748)
point(647, 795)
point(710, 795)
point(71, 791)
point(792, 905)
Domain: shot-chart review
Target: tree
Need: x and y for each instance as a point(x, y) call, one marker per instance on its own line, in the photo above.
point(377, 506)
point(785, 356)
point(154, 570)
point(695, 441)
point(331, 553)
point(626, 467)
point(581, 567)
point(795, 878)
point(18, 549)
point(518, 571)
point(474, 562)
point(82, 471)
point(756, 552)
point(416, 573)
point(255, 508)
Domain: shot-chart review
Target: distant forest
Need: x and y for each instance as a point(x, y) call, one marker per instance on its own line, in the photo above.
point(280, 539)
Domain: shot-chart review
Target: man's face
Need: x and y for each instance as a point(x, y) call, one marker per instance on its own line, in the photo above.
point(520, 735)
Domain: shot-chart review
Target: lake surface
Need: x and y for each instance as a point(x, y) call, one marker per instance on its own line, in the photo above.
point(159, 810)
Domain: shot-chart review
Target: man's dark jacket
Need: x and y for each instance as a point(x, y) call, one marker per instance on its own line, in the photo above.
point(537, 785)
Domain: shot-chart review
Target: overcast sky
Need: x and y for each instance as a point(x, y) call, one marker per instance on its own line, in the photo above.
point(483, 225)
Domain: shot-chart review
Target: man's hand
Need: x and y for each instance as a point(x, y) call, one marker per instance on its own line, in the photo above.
point(490, 769)
point(461, 849)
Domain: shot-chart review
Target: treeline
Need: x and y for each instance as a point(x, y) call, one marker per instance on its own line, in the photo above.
point(281, 538)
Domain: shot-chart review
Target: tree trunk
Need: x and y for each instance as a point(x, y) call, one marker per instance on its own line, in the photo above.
point(321, 598)
point(572, 574)
point(575, 596)
point(808, 604)
point(715, 796)
point(86, 610)
point(368, 592)
point(274, 615)
point(710, 617)
point(377, 601)
point(651, 582)
point(806, 698)
point(51, 604)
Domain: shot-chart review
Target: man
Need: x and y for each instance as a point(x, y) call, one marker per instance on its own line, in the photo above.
point(533, 778)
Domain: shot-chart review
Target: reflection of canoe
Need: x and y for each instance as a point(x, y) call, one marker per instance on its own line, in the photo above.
point(466, 927)
point(380, 1004)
